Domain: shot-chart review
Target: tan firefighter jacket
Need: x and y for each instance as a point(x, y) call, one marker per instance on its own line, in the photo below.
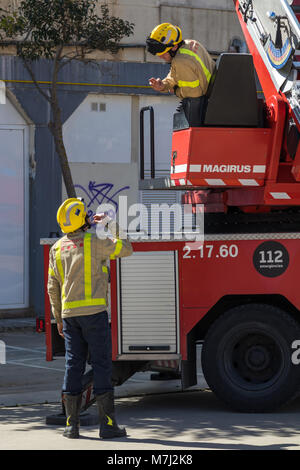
point(191, 71)
point(78, 275)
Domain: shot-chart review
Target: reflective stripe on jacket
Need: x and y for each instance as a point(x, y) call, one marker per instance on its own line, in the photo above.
point(78, 275)
point(191, 71)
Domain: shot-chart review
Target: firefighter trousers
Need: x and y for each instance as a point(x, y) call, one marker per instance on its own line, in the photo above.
point(88, 334)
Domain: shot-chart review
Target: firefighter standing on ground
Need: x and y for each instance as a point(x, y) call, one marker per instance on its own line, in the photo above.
point(77, 287)
point(191, 65)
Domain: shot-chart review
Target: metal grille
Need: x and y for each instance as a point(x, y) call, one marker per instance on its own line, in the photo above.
point(154, 222)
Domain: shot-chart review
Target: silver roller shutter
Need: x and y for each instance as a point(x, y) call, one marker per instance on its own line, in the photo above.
point(147, 303)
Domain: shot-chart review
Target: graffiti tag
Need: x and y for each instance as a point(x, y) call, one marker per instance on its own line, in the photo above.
point(102, 193)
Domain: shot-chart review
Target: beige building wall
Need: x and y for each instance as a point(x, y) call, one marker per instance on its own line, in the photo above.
point(212, 22)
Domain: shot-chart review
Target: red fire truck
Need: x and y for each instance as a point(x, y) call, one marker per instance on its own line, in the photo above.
point(236, 152)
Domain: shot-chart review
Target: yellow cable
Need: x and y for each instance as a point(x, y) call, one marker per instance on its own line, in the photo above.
point(40, 82)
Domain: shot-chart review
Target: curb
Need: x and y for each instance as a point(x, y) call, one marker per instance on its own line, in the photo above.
point(17, 325)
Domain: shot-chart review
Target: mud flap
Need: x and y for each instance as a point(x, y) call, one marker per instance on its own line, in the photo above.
point(189, 367)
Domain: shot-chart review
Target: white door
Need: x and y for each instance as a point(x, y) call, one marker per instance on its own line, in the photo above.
point(13, 215)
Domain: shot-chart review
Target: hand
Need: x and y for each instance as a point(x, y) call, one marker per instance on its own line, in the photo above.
point(102, 218)
point(194, 46)
point(156, 84)
point(60, 329)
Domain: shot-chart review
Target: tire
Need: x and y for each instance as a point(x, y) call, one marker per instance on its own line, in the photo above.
point(247, 358)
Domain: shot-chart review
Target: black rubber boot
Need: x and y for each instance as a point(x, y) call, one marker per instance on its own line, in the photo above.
point(108, 425)
point(72, 406)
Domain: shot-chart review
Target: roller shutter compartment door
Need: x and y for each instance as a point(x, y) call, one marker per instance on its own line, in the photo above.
point(148, 303)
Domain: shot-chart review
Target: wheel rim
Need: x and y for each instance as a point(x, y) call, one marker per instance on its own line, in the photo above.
point(253, 359)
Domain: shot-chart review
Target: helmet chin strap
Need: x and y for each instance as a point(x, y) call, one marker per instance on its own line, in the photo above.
point(173, 53)
point(87, 224)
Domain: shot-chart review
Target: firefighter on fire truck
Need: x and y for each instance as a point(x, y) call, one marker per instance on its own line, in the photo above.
point(191, 65)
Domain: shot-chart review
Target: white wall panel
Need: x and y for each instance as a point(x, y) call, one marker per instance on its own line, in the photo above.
point(99, 130)
point(164, 107)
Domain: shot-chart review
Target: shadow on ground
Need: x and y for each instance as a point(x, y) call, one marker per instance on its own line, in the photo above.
point(191, 419)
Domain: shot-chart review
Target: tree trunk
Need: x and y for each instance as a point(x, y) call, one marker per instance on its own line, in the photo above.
point(55, 126)
point(56, 130)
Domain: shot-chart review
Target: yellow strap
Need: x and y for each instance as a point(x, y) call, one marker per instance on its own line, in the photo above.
point(60, 268)
point(191, 53)
point(87, 265)
point(83, 303)
point(194, 84)
point(118, 249)
point(51, 272)
point(104, 269)
point(58, 261)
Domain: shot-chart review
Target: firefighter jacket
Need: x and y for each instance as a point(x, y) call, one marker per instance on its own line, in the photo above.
point(78, 275)
point(190, 72)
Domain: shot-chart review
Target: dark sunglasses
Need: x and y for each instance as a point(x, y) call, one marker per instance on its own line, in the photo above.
point(155, 47)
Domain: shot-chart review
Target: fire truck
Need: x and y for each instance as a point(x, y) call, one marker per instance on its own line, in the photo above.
point(235, 153)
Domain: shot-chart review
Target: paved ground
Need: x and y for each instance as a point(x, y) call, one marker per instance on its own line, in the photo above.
point(178, 421)
point(158, 415)
point(27, 378)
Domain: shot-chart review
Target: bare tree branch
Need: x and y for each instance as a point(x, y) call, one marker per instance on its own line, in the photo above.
point(33, 78)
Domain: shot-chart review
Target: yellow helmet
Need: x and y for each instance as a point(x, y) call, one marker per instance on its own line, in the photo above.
point(71, 215)
point(163, 38)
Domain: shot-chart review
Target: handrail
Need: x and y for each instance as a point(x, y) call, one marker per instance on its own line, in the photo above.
point(142, 154)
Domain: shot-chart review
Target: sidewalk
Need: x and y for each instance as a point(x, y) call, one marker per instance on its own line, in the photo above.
point(27, 378)
point(17, 324)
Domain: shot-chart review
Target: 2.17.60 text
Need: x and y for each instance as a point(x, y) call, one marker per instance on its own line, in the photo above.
point(211, 251)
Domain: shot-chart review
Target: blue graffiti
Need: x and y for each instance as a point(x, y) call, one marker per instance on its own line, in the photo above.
point(100, 194)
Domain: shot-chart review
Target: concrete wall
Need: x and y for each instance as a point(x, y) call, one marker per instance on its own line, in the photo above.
point(212, 22)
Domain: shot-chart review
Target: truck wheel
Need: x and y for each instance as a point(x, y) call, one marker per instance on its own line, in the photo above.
point(247, 358)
